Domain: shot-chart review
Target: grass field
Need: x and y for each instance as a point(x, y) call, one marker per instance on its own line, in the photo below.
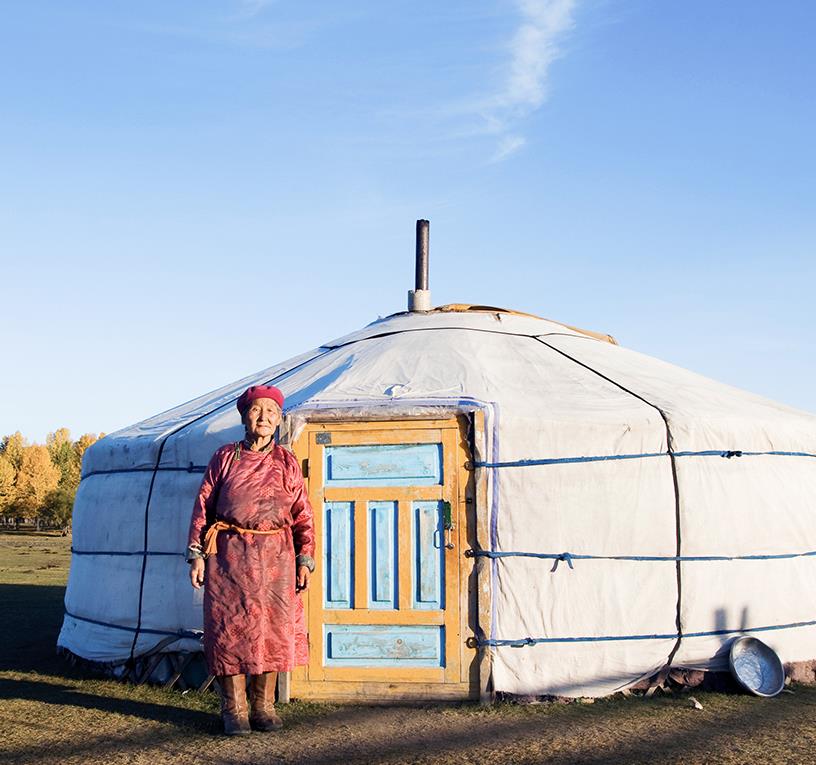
point(50, 713)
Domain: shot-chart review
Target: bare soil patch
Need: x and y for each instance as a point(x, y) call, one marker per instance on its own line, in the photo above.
point(50, 713)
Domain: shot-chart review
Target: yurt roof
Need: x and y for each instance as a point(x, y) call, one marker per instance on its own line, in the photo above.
point(528, 366)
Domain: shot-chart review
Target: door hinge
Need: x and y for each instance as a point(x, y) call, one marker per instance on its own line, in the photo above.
point(305, 468)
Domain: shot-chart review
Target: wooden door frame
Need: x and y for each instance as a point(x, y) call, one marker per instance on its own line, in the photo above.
point(392, 684)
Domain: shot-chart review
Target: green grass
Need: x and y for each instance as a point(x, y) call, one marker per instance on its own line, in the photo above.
point(53, 713)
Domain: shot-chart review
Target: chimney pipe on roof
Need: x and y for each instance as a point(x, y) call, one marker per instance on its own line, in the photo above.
point(419, 298)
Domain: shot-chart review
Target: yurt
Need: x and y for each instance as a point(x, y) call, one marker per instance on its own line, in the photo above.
point(503, 503)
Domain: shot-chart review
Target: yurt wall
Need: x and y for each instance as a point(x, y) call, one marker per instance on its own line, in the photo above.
point(624, 514)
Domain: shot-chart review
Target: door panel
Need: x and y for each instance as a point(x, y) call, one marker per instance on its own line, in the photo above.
point(428, 555)
point(358, 645)
point(383, 465)
point(386, 500)
point(382, 554)
point(338, 536)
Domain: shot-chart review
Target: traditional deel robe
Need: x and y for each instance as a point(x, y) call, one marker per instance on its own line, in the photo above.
point(253, 619)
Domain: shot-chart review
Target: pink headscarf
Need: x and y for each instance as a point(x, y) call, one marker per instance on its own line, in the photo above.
point(259, 391)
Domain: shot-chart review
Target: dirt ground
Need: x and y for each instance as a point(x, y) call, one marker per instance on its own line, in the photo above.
point(50, 713)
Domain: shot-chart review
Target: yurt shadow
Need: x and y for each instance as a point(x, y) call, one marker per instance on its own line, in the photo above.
point(728, 630)
point(68, 695)
point(30, 625)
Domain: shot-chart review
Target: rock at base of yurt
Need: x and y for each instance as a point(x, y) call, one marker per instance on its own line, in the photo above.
point(682, 679)
point(801, 672)
point(687, 678)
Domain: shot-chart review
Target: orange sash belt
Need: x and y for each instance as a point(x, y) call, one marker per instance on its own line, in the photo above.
point(210, 538)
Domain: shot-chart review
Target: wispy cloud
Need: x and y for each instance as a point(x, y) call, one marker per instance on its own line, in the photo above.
point(533, 49)
point(508, 145)
point(249, 24)
point(249, 8)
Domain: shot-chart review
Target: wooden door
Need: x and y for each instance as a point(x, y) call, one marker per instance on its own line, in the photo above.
point(386, 611)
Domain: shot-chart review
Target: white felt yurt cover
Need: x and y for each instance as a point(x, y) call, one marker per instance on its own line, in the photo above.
point(639, 514)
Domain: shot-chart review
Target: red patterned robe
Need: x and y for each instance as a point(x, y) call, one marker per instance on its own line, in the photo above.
point(253, 619)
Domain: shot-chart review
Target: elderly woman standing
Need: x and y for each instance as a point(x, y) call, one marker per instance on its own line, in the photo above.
point(252, 522)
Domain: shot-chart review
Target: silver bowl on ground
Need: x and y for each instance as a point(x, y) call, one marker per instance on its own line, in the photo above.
point(756, 667)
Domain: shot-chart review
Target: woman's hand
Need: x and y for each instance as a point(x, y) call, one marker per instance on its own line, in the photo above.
point(303, 575)
point(197, 573)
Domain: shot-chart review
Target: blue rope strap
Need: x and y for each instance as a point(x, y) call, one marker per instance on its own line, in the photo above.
point(122, 552)
point(192, 634)
point(191, 468)
point(562, 556)
point(726, 454)
point(528, 641)
point(569, 557)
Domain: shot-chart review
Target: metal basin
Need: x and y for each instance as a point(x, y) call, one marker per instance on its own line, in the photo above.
point(756, 666)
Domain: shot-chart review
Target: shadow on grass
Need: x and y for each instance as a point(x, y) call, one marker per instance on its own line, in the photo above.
point(626, 732)
point(66, 695)
point(630, 732)
point(32, 617)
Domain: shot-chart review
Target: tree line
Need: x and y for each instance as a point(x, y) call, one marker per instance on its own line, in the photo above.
point(38, 482)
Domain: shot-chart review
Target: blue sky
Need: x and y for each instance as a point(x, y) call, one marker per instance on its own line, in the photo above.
point(192, 191)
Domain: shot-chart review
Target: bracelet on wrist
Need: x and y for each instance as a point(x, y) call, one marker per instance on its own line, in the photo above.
point(306, 560)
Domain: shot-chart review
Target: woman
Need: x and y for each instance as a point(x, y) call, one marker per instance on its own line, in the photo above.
point(252, 522)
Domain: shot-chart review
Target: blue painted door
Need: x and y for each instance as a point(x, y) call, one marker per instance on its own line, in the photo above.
point(387, 605)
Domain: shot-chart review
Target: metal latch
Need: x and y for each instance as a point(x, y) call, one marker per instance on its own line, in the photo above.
point(447, 524)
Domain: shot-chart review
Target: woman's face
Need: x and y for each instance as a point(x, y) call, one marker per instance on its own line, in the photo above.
point(262, 417)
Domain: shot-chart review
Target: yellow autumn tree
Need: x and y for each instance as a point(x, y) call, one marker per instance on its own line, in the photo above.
point(11, 447)
point(81, 444)
point(67, 456)
point(63, 453)
point(40, 482)
point(7, 478)
point(37, 477)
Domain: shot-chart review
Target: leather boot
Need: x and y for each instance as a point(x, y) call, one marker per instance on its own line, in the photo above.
point(234, 705)
point(262, 715)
